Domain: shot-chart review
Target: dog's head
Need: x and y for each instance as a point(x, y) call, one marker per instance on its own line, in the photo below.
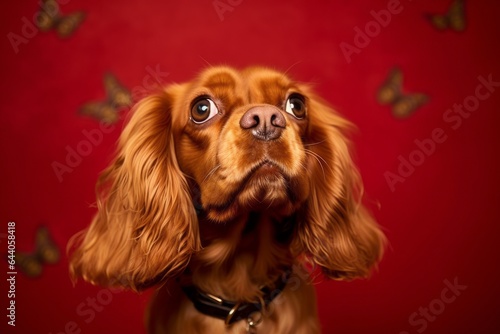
point(230, 143)
point(244, 141)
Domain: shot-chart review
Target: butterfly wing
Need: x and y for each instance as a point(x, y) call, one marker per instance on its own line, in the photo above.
point(29, 264)
point(67, 24)
point(48, 16)
point(453, 19)
point(102, 111)
point(390, 90)
point(117, 97)
point(456, 15)
point(406, 105)
point(47, 251)
point(117, 94)
point(440, 22)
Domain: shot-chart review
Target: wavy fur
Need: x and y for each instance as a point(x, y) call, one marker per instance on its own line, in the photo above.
point(146, 225)
point(336, 231)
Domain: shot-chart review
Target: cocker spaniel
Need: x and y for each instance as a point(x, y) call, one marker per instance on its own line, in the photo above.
point(223, 190)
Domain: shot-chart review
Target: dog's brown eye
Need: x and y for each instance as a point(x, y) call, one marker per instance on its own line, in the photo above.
point(203, 110)
point(296, 106)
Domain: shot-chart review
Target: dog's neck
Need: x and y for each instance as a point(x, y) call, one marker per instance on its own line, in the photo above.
point(241, 256)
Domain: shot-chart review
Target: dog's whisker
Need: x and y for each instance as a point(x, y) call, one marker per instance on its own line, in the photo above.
point(304, 167)
point(319, 159)
point(313, 144)
point(290, 67)
point(206, 61)
point(188, 176)
point(318, 156)
point(210, 173)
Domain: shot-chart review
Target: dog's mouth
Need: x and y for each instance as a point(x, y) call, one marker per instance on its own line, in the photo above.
point(263, 173)
point(263, 169)
point(262, 178)
point(265, 186)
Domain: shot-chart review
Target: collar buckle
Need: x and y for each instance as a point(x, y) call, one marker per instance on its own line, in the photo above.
point(232, 311)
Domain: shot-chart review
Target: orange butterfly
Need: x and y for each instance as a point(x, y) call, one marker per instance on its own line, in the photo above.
point(49, 17)
point(453, 19)
point(117, 97)
point(403, 105)
point(46, 251)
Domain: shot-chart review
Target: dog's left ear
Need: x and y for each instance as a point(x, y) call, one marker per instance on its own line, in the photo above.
point(335, 230)
point(146, 226)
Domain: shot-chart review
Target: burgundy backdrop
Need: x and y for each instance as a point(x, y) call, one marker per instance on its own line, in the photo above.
point(439, 274)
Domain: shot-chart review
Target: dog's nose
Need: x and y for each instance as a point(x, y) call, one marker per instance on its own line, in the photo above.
point(265, 122)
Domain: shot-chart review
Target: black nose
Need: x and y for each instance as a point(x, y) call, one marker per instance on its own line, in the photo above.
point(265, 122)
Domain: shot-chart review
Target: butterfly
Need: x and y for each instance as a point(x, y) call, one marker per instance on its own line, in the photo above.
point(46, 251)
point(117, 97)
point(390, 92)
point(49, 17)
point(453, 19)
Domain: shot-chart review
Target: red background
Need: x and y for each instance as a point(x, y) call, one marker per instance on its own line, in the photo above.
point(442, 221)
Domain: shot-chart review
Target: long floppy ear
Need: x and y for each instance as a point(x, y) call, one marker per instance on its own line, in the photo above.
point(146, 225)
point(335, 231)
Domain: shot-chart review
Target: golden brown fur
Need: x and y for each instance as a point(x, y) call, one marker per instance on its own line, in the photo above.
point(272, 198)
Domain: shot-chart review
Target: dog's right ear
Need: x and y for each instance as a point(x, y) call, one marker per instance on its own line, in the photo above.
point(146, 225)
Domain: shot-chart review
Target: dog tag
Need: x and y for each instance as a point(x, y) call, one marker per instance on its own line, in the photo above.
point(253, 321)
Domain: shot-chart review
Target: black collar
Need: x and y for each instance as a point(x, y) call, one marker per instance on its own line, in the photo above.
point(231, 311)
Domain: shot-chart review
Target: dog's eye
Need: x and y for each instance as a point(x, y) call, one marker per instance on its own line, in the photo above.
point(203, 110)
point(296, 106)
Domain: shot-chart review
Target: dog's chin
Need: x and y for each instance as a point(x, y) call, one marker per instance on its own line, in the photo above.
point(266, 189)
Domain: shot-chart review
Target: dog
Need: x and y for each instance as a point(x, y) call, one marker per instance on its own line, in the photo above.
point(226, 192)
